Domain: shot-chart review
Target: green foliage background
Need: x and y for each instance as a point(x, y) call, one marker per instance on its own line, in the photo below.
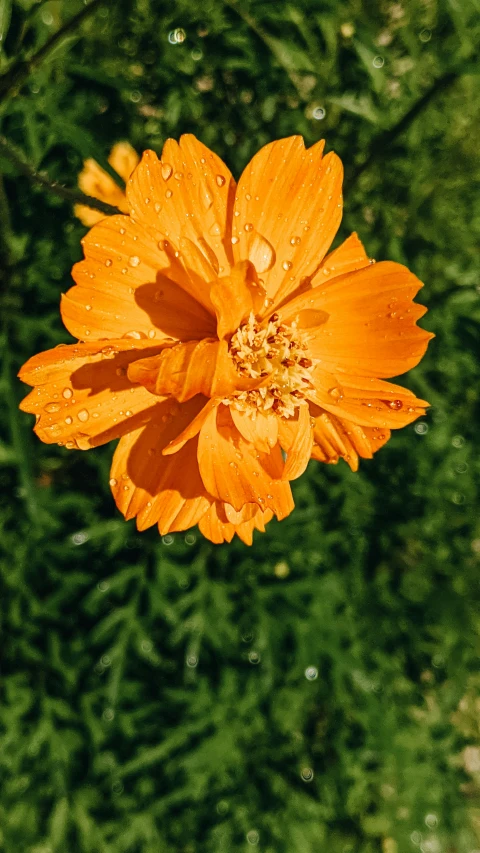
point(319, 691)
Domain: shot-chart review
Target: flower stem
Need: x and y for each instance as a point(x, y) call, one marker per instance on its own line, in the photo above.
point(17, 158)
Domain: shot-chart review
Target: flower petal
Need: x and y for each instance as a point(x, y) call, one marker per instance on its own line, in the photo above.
point(287, 212)
point(296, 439)
point(365, 401)
point(215, 524)
point(94, 181)
point(83, 396)
point(157, 489)
point(127, 285)
point(235, 297)
point(188, 195)
point(197, 367)
point(348, 257)
point(234, 472)
point(257, 427)
point(371, 329)
point(335, 438)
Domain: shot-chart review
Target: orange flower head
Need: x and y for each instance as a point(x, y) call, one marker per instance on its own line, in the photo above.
point(94, 181)
point(223, 345)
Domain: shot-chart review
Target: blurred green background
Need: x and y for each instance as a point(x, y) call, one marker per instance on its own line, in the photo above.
point(319, 691)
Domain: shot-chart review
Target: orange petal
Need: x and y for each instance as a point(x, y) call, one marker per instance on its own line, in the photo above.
point(191, 430)
point(336, 438)
point(124, 159)
point(289, 208)
point(94, 181)
point(187, 196)
point(365, 401)
point(154, 488)
point(296, 439)
point(234, 472)
point(348, 257)
point(123, 287)
point(235, 297)
point(371, 329)
point(197, 367)
point(214, 525)
point(256, 427)
point(214, 529)
point(83, 396)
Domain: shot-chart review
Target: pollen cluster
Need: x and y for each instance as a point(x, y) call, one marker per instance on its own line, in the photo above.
point(275, 354)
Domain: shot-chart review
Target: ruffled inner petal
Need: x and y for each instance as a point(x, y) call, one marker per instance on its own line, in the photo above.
point(197, 367)
point(235, 297)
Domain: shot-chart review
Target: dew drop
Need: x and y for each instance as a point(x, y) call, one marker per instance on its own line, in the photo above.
point(220, 180)
point(168, 194)
point(146, 200)
point(261, 253)
point(295, 241)
point(287, 265)
point(167, 171)
point(68, 420)
point(67, 393)
point(151, 333)
point(336, 393)
point(157, 207)
point(52, 407)
point(234, 240)
point(83, 415)
point(215, 230)
point(137, 336)
point(395, 404)
point(134, 261)
point(248, 226)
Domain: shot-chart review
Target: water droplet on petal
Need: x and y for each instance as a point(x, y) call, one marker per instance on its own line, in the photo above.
point(167, 171)
point(220, 180)
point(134, 261)
point(137, 336)
point(248, 226)
point(83, 415)
point(287, 265)
point(168, 194)
point(261, 253)
point(396, 405)
point(295, 241)
point(215, 230)
point(67, 393)
point(234, 240)
point(336, 393)
point(52, 407)
point(68, 420)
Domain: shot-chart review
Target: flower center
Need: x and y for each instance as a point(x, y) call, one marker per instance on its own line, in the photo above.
point(274, 354)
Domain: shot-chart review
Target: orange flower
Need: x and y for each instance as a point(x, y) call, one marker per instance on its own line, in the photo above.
point(94, 181)
point(223, 345)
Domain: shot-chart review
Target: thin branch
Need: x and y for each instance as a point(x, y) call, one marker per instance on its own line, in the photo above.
point(15, 157)
point(13, 80)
